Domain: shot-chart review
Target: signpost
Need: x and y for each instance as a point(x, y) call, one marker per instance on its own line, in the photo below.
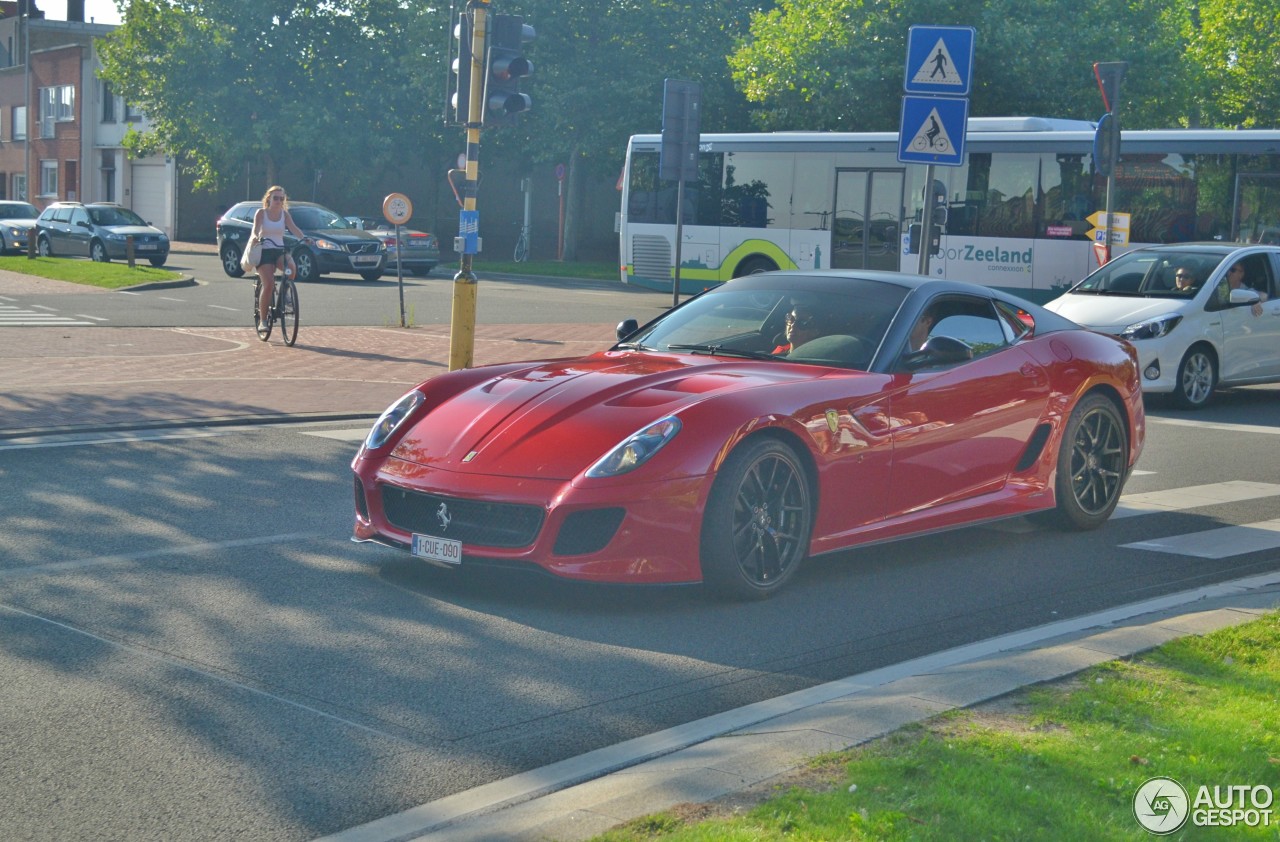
point(1106, 142)
point(678, 158)
point(939, 74)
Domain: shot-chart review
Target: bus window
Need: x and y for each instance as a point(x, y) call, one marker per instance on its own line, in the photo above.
point(754, 188)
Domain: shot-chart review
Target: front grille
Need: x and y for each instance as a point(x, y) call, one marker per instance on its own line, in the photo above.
point(470, 521)
point(363, 248)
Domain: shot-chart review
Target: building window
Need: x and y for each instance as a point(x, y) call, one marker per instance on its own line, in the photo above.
point(132, 113)
point(108, 175)
point(49, 179)
point(19, 124)
point(20, 187)
point(57, 105)
point(72, 169)
point(108, 104)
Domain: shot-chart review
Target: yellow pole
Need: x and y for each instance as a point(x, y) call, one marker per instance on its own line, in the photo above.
point(462, 337)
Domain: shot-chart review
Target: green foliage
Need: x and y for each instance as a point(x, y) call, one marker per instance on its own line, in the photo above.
point(106, 275)
point(225, 83)
point(1235, 46)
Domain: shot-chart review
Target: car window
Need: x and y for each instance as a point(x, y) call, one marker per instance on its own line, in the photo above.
point(62, 214)
point(79, 215)
point(18, 210)
point(844, 326)
point(973, 321)
point(1149, 273)
point(315, 219)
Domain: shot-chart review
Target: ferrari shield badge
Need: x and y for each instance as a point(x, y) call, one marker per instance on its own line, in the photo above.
point(833, 420)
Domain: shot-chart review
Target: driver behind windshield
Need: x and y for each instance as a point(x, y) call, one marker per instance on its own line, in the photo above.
point(802, 325)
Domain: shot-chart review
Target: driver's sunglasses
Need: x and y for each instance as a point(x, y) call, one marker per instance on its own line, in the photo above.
point(1183, 275)
point(277, 198)
point(799, 321)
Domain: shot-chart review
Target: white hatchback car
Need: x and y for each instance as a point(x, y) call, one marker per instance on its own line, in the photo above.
point(1201, 315)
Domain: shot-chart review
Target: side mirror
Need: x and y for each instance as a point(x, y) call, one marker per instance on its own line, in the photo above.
point(626, 327)
point(939, 350)
point(1244, 296)
point(83, 223)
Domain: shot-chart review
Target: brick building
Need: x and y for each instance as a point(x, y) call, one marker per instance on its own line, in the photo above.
point(61, 127)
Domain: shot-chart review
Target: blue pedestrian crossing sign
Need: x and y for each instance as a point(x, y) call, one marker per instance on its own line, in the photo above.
point(932, 130)
point(939, 60)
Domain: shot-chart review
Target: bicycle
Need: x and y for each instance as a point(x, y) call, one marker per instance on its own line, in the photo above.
point(522, 245)
point(284, 308)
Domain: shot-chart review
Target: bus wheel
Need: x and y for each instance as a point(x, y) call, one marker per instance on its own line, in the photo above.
point(754, 266)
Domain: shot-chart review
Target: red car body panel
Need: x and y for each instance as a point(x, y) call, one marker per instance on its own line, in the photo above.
point(890, 454)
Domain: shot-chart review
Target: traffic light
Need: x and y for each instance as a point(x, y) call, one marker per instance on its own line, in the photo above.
point(459, 105)
point(504, 70)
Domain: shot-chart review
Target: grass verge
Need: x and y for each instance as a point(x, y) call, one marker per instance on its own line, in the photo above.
point(1053, 762)
point(105, 275)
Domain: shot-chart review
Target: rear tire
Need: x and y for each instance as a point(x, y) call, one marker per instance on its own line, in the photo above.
point(1092, 465)
point(289, 313)
point(755, 531)
point(230, 257)
point(754, 266)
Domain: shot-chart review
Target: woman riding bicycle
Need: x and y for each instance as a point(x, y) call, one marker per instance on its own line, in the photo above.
point(269, 225)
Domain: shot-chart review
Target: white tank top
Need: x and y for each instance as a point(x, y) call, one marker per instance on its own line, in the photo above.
point(272, 231)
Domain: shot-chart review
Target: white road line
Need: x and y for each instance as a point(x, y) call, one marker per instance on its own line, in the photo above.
point(43, 307)
point(220, 307)
point(122, 437)
point(166, 298)
point(339, 435)
point(1191, 497)
point(95, 318)
point(190, 549)
point(1215, 425)
point(1218, 543)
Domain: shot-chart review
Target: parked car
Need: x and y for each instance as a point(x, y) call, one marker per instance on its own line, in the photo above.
point(1190, 340)
point(420, 254)
point(16, 221)
point(99, 231)
point(694, 451)
point(335, 246)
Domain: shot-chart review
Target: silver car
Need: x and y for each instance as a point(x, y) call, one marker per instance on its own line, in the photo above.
point(16, 221)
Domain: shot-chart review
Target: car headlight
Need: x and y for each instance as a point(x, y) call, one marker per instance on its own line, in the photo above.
point(636, 449)
point(112, 235)
point(16, 232)
point(1151, 328)
point(327, 245)
point(391, 420)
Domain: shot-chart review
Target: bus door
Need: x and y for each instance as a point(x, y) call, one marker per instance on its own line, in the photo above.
point(1257, 211)
point(868, 214)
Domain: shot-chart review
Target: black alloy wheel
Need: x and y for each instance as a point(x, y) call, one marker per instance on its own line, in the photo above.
point(756, 527)
point(1092, 464)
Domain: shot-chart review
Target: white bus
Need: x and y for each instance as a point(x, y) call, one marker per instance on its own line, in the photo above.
point(1017, 212)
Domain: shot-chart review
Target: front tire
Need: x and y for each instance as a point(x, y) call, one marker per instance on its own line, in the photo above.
point(755, 266)
point(1092, 465)
point(230, 256)
point(755, 531)
point(261, 325)
point(308, 268)
point(98, 252)
point(1197, 377)
point(44, 246)
point(371, 276)
point(289, 313)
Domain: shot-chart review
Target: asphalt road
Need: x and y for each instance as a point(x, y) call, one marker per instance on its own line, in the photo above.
point(222, 301)
point(193, 649)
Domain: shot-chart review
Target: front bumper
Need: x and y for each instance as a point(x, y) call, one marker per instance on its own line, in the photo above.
point(654, 539)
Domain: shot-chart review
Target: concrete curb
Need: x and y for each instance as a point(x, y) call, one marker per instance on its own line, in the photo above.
point(581, 797)
point(184, 281)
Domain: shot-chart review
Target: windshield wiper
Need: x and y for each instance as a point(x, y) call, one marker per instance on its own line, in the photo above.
point(633, 346)
point(720, 351)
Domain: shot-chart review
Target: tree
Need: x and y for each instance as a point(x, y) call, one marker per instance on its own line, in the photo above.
point(275, 82)
point(839, 64)
point(1237, 49)
point(599, 77)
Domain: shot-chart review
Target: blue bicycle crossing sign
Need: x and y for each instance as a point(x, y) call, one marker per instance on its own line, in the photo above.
point(939, 60)
point(933, 130)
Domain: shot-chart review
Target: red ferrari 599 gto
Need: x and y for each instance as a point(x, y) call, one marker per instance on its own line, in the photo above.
point(772, 418)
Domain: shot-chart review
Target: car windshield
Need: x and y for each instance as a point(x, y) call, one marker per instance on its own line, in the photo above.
point(1156, 273)
point(837, 324)
point(316, 219)
point(18, 210)
point(114, 216)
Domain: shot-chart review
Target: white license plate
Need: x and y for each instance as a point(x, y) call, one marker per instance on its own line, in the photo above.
point(444, 550)
point(145, 247)
point(365, 260)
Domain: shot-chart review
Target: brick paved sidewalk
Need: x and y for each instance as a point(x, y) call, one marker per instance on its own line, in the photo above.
point(94, 377)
